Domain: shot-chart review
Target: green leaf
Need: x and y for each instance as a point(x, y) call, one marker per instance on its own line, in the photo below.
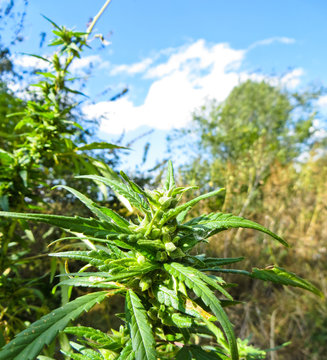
point(100, 145)
point(29, 343)
point(141, 333)
point(103, 340)
point(184, 354)
point(279, 275)
point(170, 181)
point(212, 262)
point(73, 224)
point(52, 22)
point(119, 220)
point(127, 353)
point(174, 212)
point(93, 207)
point(136, 187)
point(193, 282)
point(92, 282)
point(214, 223)
point(200, 354)
point(6, 158)
point(38, 57)
point(117, 185)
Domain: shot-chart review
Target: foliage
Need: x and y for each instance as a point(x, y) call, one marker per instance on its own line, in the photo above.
point(241, 139)
point(274, 173)
point(41, 139)
point(169, 292)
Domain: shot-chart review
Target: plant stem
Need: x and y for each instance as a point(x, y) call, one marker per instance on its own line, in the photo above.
point(96, 18)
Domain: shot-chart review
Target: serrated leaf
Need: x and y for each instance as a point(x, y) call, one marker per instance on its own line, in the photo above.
point(143, 342)
point(279, 275)
point(29, 343)
point(193, 282)
point(214, 223)
point(174, 212)
point(73, 224)
point(123, 190)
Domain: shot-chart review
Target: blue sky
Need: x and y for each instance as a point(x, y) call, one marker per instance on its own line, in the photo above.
point(175, 55)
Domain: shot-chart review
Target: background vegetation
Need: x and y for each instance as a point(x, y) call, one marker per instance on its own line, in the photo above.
point(260, 144)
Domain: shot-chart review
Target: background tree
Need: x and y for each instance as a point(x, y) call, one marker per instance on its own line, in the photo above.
point(253, 144)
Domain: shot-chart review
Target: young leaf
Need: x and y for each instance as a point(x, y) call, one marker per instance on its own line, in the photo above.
point(213, 223)
point(29, 343)
point(143, 342)
point(174, 212)
point(119, 187)
point(87, 202)
point(119, 220)
point(193, 282)
point(170, 181)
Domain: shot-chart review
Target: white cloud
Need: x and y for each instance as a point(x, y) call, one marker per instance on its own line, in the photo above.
point(322, 101)
point(182, 82)
point(135, 68)
point(79, 65)
point(29, 61)
point(269, 41)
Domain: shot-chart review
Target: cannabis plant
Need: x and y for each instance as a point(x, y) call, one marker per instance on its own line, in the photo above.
point(174, 299)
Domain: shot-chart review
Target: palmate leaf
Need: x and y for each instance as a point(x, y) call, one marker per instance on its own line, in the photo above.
point(29, 343)
point(193, 282)
point(117, 185)
point(143, 342)
point(214, 223)
point(74, 224)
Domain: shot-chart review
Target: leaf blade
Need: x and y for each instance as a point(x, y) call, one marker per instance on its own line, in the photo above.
point(29, 343)
point(143, 342)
